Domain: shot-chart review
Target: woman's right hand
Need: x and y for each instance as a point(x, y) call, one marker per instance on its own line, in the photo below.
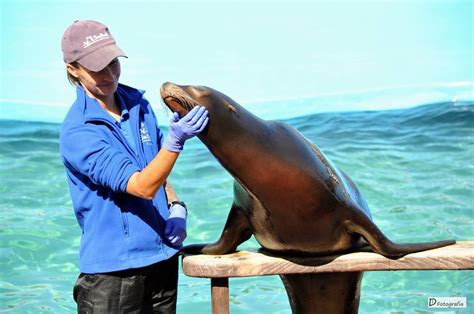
point(183, 129)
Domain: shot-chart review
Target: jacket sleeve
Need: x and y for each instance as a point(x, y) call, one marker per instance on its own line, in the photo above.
point(85, 151)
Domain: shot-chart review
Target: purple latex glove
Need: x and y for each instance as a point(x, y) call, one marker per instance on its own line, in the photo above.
point(188, 126)
point(175, 230)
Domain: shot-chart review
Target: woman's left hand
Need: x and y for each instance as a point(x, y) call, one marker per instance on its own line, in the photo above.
point(175, 230)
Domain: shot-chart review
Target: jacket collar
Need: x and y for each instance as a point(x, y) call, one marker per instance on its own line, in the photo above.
point(93, 111)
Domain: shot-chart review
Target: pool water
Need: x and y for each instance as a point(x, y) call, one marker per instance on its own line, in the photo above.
point(415, 167)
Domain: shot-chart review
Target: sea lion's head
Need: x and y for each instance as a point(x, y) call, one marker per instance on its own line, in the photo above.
point(182, 98)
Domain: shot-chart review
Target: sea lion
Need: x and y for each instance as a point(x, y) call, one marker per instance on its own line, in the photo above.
point(289, 196)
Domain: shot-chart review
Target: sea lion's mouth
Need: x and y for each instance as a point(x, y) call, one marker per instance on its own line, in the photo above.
point(176, 106)
point(170, 99)
point(176, 98)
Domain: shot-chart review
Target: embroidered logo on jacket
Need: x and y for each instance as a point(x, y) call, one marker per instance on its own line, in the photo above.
point(144, 135)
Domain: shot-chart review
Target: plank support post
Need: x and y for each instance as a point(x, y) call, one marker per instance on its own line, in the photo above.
point(220, 295)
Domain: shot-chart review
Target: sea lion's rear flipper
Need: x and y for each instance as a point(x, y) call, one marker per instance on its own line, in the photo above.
point(361, 224)
point(236, 231)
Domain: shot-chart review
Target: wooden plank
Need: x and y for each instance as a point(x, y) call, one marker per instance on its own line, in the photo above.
point(220, 295)
point(255, 263)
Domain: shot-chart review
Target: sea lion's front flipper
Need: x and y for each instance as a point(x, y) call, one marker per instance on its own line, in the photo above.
point(236, 230)
point(361, 224)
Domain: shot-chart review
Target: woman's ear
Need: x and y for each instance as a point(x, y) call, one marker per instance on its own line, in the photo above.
point(72, 70)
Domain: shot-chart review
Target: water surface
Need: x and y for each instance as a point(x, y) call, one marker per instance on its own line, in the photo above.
point(415, 167)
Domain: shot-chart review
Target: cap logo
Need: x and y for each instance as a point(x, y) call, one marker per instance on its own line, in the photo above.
point(92, 39)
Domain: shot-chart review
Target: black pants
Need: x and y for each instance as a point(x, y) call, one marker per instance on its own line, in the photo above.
point(151, 289)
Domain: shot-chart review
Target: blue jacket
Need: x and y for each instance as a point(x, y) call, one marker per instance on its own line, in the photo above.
point(119, 231)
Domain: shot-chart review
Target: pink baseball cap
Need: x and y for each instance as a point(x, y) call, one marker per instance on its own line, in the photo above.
point(90, 44)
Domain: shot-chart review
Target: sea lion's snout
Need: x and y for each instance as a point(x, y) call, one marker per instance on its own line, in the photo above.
point(182, 99)
point(176, 98)
point(167, 90)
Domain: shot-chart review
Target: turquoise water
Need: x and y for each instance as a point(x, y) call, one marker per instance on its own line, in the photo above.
point(414, 165)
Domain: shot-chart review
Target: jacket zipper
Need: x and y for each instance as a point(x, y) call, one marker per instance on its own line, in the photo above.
point(139, 143)
point(125, 224)
point(138, 158)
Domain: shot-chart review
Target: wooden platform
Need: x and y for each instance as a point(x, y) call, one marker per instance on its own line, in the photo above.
point(219, 268)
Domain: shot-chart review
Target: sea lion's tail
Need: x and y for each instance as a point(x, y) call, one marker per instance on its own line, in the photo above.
point(362, 225)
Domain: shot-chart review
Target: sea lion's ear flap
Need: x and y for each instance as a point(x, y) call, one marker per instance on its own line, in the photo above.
point(232, 109)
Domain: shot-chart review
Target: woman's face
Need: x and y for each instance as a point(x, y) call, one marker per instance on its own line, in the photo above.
point(100, 84)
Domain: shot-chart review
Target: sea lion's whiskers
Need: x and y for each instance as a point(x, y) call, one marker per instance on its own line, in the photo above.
point(187, 102)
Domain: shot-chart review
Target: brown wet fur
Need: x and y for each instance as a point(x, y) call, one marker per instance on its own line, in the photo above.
point(289, 196)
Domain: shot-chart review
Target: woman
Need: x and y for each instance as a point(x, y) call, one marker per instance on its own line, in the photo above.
point(117, 165)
